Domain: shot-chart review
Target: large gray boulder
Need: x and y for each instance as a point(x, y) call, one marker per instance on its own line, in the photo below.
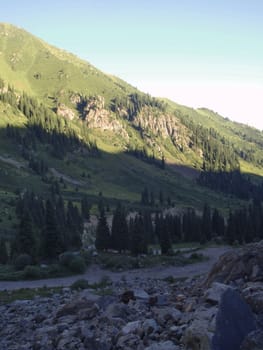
point(234, 321)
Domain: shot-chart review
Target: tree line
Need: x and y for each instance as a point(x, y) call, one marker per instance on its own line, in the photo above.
point(47, 227)
point(136, 233)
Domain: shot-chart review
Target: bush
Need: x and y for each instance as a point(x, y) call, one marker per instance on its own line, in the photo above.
point(87, 256)
point(55, 270)
point(66, 258)
point(32, 272)
point(196, 256)
point(80, 284)
point(22, 261)
point(77, 265)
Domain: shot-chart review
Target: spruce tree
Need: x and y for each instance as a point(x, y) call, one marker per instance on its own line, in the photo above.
point(138, 243)
point(26, 240)
point(3, 252)
point(119, 230)
point(102, 241)
point(85, 208)
point(206, 233)
point(53, 244)
point(165, 241)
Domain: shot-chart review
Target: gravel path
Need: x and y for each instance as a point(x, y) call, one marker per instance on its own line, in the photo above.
point(94, 273)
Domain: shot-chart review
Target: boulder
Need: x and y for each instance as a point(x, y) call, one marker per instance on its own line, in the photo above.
point(234, 321)
point(214, 293)
point(86, 309)
point(165, 314)
point(253, 294)
point(197, 336)
point(237, 265)
point(253, 341)
point(117, 310)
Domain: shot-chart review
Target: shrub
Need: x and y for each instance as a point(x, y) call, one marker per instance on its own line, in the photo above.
point(196, 256)
point(66, 258)
point(22, 261)
point(32, 272)
point(55, 270)
point(87, 256)
point(77, 265)
point(80, 284)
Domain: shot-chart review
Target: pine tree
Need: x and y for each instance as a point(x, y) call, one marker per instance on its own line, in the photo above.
point(3, 252)
point(26, 240)
point(102, 241)
point(161, 197)
point(206, 224)
point(85, 208)
point(53, 244)
point(231, 229)
point(138, 243)
point(119, 230)
point(165, 241)
point(74, 226)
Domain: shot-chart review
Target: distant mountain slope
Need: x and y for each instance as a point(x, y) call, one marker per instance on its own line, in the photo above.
point(69, 122)
point(42, 70)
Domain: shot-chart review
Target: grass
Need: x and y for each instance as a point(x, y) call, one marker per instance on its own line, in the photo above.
point(8, 272)
point(119, 262)
point(7, 297)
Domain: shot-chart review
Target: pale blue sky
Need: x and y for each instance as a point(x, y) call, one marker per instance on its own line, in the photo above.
point(196, 52)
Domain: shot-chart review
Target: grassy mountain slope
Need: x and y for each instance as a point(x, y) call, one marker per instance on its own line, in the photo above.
point(132, 130)
point(42, 70)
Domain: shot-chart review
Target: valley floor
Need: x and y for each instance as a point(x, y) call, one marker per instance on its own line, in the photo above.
point(94, 273)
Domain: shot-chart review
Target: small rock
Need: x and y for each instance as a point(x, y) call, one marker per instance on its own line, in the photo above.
point(149, 326)
point(141, 294)
point(128, 342)
point(166, 345)
point(127, 296)
point(131, 327)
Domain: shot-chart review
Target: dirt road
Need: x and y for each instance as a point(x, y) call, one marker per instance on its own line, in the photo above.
point(94, 273)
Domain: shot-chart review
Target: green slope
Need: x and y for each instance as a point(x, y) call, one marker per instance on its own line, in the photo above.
point(54, 76)
point(42, 70)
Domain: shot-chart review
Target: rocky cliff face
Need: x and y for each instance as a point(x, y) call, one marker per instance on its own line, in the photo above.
point(97, 117)
point(153, 125)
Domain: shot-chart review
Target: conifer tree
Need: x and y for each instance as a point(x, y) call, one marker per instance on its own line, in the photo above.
point(138, 243)
point(3, 252)
point(206, 224)
point(85, 208)
point(165, 241)
point(102, 241)
point(26, 240)
point(53, 244)
point(119, 230)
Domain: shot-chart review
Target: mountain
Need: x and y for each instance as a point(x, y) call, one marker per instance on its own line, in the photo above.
point(61, 119)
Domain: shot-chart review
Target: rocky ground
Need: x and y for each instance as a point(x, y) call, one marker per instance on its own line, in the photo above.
point(220, 311)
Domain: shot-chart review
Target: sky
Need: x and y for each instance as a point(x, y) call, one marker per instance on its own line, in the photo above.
point(201, 53)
